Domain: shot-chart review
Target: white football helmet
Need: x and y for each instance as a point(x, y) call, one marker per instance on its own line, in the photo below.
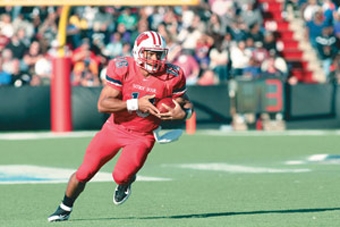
point(150, 41)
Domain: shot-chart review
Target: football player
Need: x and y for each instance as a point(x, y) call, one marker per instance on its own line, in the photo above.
point(133, 86)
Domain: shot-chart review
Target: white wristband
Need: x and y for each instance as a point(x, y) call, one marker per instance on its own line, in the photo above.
point(132, 104)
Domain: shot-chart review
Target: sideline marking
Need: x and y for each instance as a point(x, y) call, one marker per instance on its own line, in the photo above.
point(237, 168)
point(45, 135)
point(271, 133)
point(30, 174)
point(80, 134)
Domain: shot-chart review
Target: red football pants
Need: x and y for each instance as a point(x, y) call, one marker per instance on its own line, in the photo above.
point(107, 143)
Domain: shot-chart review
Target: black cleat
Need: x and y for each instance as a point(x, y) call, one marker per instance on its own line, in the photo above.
point(122, 192)
point(61, 214)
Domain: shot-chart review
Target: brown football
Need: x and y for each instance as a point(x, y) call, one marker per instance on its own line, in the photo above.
point(167, 101)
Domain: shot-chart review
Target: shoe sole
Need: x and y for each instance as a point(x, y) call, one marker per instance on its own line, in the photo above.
point(121, 202)
point(57, 218)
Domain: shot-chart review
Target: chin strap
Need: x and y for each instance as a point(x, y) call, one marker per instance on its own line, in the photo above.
point(167, 137)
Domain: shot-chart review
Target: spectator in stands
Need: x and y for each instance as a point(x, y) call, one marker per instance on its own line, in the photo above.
point(43, 69)
point(5, 77)
point(53, 50)
point(84, 53)
point(22, 35)
point(199, 24)
point(270, 42)
point(77, 28)
point(4, 40)
point(6, 25)
point(20, 22)
point(8, 61)
point(314, 27)
point(336, 26)
point(35, 81)
point(88, 13)
point(259, 53)
point(240, 57)
point(250, 14)
point(252, 70)
point(279, 63)
point(84, 58)
point(88, 77)
point(85, 73)
point(309, 10)
point(187, 16)
point(171, 22)
point(156, 16)
point(190, 66)
point(255, 33)
point(215, 26)
point(228, 41)
point(115, 47)
point(326, 49)
point(219, 61)
point(125, 34)
point(328, 8)
point(33, 54)
point(162, 29)
point(126, 50)
point(142, 26)
point(238, 30)
point(271, 71)
point(250, 44)
point(173, 47)
point(128, 19)
point(221, 7)
point(49, 28)
point(231, 15)
point(207, 78)
point(19, 77)
point(203, 46)
point(98, 44)
point(17, 47)
point(103, 24)
point(188, 38)
point(294, 4)
point(226, 22)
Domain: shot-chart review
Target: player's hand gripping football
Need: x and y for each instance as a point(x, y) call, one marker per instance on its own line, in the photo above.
point(145, 106)
point(175, 113)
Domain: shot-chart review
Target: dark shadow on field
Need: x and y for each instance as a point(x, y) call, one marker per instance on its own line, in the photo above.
point(208, 215)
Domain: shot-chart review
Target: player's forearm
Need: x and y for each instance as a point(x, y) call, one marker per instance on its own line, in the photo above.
point(111, 105)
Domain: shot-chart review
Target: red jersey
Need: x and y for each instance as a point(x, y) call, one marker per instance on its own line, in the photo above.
point(124, 75)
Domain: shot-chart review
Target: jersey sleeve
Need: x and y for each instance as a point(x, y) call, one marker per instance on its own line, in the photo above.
point(116, 71)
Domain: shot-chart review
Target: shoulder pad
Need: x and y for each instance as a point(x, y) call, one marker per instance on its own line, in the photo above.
point(172, 69)
point(120, 65)
point(121, 62)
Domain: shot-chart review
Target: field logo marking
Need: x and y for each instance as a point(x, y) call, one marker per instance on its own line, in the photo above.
point(30, 174)
point(317, 158)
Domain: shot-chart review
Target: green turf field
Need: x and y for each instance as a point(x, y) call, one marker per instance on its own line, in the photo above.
point(210, 179)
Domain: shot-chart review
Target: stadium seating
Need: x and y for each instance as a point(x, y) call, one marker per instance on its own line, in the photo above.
point(297, 57)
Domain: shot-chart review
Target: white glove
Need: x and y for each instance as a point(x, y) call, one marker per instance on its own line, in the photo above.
point(167, 137)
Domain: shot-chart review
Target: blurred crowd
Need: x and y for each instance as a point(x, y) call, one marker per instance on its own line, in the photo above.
point(322, 23)
point(213, 42)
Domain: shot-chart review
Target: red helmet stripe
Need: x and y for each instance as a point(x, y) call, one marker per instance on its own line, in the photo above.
point(159, 39)
point(153, 38)
point(156, 38)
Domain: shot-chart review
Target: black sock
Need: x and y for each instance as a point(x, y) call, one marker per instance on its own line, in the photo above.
point(68, 201)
